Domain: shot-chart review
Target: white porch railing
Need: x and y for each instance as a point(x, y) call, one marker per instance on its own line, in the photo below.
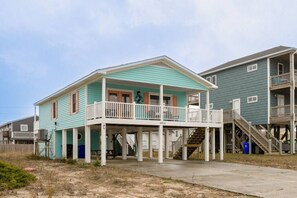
point(22, 135)
point(120, 110)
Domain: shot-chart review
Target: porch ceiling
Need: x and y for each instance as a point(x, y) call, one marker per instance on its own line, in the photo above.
point(153, 86)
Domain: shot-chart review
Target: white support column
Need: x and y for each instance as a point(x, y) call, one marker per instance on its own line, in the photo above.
point(185, 149)
point(103, 144)
point(75, 143)
point(150, 144)
point(206, 145)
point(213, 144)
point(222, 143)
point(64, 143)
point(124, 144)
point(103, 97)
point(160, 147)
point(110, 143)
point(140, 147)
point(88, 144)
point(166, 144)
point(292, 104)
point(161, 103)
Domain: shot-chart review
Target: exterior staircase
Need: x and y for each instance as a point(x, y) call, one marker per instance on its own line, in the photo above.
point(195, 137)
point(262, 138)
point(118, 145)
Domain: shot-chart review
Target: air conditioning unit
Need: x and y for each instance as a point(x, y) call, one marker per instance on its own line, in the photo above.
point(42, 134)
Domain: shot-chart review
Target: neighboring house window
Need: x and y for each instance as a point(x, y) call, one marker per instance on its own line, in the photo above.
point(54, 109)
point(73, 103)
point(212, 79)
point(280, 68)
point(24, 127)
point(251, 68)
point(252, 99)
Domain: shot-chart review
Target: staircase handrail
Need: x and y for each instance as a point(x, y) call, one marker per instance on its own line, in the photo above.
point(178, 143)
point(256, 135)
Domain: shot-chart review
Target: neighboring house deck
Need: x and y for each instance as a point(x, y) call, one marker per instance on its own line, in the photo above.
point(144, 96)
point(18, 131)
point(261, 88)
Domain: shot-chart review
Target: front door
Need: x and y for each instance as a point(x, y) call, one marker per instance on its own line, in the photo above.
point(280, 104)
point(122, 106)
point(236, 105)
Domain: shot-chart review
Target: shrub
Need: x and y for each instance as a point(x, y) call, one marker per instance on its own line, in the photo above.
point(13, 177)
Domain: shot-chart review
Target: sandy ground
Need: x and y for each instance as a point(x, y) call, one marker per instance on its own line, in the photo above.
point(57, 179)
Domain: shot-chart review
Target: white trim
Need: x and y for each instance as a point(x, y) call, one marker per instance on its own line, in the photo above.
point(283, 67)
point(25, 126)
point(245, 62)
point(252, 99)
point(268, 91)
point(251, 68)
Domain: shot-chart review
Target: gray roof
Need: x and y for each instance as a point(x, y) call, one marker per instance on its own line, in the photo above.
point(249, 58)
point(37, 118)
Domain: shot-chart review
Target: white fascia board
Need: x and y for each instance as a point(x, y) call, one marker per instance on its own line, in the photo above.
point(244, 62)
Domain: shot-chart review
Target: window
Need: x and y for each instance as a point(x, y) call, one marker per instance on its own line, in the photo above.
point(280, 68)
point(212, 79)
point(54, 110)
point(210, 106)
point(252, 99)
point(154, 100)
point(73, 104)
point(251, 68)
point(24, 127)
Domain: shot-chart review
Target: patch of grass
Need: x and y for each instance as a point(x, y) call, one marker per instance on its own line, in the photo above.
point(13, 177)
point(36, 157)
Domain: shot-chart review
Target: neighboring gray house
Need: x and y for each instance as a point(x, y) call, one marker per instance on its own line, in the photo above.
point(18, 131)
point(259, 88)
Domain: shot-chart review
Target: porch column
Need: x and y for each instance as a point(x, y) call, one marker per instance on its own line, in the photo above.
point(64, 143)
point(75, 143)
point(206, 145)
point(185, 149)
point(103, 96)
point(166, 144)
point(88, 144)
point(140, 149)
point(150, 144)
point(213, 144)
point(110, 143)
point(222, 143)
point(292, 103)
point(103, 144)
point(160, 147)
point(161, 103)
point(124, 144)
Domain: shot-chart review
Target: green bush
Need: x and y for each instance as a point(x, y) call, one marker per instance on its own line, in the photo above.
point(13, 177)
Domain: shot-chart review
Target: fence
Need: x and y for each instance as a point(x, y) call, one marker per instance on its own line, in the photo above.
point(20, 148)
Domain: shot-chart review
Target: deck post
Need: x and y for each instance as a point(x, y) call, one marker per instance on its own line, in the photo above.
point(88, 144)
point(103, 96)
point(167, 144)
point(292, 103)
point(140, 147)
point(64, 143)
point(160, 147)
point(233, 132)
point(184, 148)
point(124, 144)
point(161, 103)
point(75, 143)
point(213, 144)
point(250, 138)
point(206, 145)
point(222, 143)
point(110, 143)
point(103, 144)
point(150, 144)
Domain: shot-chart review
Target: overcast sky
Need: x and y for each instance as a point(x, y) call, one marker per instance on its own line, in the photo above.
point(45, 45)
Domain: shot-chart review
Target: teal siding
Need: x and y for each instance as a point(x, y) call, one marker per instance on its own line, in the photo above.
point(94, 92)
point(238, 83)
point(157, 75)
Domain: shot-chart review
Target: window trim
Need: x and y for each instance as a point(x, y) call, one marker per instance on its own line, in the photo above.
point(252, 101)
point(76, 93)
point(24, 125)
point(283, 67)
point(54, 110)
point(250, 68)
point(212, 79)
